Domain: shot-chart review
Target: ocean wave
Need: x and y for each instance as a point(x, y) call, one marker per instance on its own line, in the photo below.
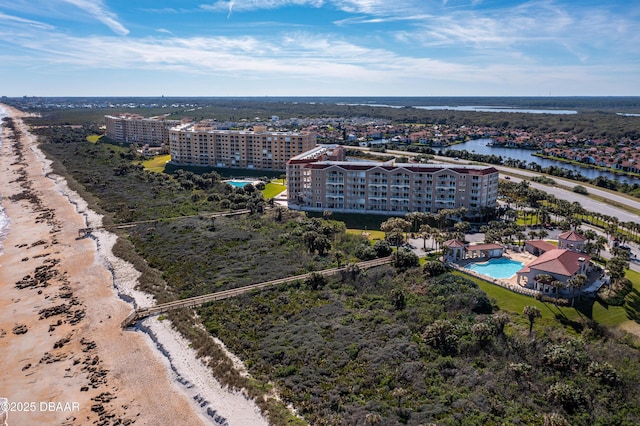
point(4, 226)
point(4, 219)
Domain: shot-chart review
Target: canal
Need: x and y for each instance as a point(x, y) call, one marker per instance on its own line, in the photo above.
point(480, 146)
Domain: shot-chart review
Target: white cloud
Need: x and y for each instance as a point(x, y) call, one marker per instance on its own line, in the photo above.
point(296, 55)
point(536, 30)
point(97, 9)
point(366, 7)
point(471, 50)
point(29, 22)
point(250, 5)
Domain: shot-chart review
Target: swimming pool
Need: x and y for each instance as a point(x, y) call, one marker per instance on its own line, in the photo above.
point(496, 268)
point(238, 183)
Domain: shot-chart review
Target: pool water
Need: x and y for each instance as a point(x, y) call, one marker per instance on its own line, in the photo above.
point(238, 183)
point(496, 268)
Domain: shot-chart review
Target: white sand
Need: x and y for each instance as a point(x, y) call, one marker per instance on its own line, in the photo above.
point(154, 376)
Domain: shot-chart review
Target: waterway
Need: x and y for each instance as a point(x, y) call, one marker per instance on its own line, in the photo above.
point(471, 108)
point(497, 109)
point(479, 146)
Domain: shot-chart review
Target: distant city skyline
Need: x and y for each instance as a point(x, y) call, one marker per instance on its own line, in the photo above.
point(319, 48)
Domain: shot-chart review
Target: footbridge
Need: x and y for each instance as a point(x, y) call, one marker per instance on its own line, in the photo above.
point(192, 302)
point(83, 232)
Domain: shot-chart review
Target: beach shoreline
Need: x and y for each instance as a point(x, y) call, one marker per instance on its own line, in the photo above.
point(60, 314)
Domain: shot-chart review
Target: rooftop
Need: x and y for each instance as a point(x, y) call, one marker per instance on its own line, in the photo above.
point(558, 261)
point(571, 236)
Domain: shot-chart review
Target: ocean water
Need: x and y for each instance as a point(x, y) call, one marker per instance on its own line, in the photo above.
point(4, 219)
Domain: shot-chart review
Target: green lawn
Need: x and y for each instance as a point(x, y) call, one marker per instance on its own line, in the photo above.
point(515, 302)
point(157, 163)
point(373, 235)
point(93, 138)
point(273, 188)
point(586, 309)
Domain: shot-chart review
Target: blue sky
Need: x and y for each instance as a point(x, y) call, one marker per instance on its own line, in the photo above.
point(319, 48)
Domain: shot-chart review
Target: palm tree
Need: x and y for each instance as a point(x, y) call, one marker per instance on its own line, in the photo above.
point(576, 282)
point(558, 285)
point(462, 227)
point(499, 320)
point(399, 393)
point(544, 279)
point(600, 244)
point(425, 233)
point(590, 234)
point(531, 312)
point(394, 229)
point(511, 215)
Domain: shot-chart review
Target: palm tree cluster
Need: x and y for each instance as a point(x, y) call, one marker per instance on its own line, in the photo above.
point(444, 225)
point(540, 207)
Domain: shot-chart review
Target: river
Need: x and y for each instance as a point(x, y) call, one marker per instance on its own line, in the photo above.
point(479, 146)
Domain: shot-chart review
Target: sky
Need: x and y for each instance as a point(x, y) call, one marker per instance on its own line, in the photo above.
point(319, 48)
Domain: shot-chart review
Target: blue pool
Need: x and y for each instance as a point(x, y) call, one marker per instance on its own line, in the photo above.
point(496, 268)
point(238, 183)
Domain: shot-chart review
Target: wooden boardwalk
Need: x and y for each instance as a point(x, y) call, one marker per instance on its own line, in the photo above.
point(83, 232)
point(192, 302)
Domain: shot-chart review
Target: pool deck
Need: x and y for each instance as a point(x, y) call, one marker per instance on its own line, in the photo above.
point(508, 283)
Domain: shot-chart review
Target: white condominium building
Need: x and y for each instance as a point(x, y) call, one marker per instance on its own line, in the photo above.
point(134, 128)
point(199, 145)
point(388, 188)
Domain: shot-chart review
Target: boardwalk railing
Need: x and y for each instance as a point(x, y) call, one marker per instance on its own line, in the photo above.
point(192, 302)
point(83, 232)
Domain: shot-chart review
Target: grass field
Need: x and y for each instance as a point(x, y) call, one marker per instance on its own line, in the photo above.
point(584, 310)
point(157, 163)
point(373, 235)
point(93, 138)
point(273, 188)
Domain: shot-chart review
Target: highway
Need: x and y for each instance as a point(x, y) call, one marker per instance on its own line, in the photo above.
point(587, 203)
point(619, 206)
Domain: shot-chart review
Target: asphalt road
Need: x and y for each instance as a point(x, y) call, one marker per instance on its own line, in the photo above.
point(586, 202)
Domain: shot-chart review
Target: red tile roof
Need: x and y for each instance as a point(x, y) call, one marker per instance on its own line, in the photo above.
point(541, 245)
point(484, 247)
point(454, 243)
point(418, 168)
point(571, 236)
point(559, 261)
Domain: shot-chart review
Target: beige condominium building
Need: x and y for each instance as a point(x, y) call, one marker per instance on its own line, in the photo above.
point(134, 128)
point(200, 145)
point(317, 183)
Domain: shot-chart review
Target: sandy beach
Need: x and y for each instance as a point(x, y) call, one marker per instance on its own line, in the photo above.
point(65, 358)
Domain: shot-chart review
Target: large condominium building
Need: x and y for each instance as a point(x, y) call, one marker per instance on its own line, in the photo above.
point(198, 145)
point(134, 128)
point(318, 184)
